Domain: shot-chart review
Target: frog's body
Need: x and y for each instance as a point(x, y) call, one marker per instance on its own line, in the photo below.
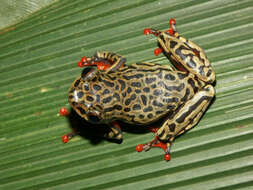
point(144, 92)
point(138, 94)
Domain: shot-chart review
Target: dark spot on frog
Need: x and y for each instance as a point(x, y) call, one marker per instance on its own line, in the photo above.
point(129, 90)
point(190, 63)
point(172, 44)
point(136, 107)
point(167, 94)
point(137, 76)
point(77, 83)
point(117, 107)
point(86, 87)
point(146, 89)
point(148, 109)
point(108, 83)
point(80, 94)
point(172, 127)
point(141, 116)
point(108, 109)
point(133, 97)
point(150, 115)
point(128, 101)
point(170, 107)
point(209, 72)
point(98, 98)
point(169, 77)
point(137, 91)
point(136, 84)
point(127, 109)
point(144, 99)
point(192, 84)
point(89, 98)
point(150, 80)
point(107, 100)
point(187, 93)
point(97, 87)
point(124, 94)
point(123, 84)
point(106, 91)
point(182, 75)
point(159, 112)
point(94, 79)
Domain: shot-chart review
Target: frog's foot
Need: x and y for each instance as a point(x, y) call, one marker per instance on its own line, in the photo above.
point(115, 132)
point(156, 143)
point(67, 137)
point(172, 30)
point(94, 61)
point(151, 31)
point(147, 31)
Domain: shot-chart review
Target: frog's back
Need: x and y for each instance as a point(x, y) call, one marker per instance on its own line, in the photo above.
point(151, 91)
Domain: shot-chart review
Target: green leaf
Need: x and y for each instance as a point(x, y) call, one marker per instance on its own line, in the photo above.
point(38, 64)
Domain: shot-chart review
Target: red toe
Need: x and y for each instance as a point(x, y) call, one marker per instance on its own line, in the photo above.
point(139, 148)
point(167, 157)
point(157, 51)
point(65, 138)
point(147, 31)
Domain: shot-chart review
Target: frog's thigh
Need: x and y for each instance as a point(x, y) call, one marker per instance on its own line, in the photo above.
point(188, 115)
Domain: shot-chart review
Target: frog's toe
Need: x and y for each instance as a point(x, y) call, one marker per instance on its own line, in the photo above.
point(158, 51)
point(167, 157)
point(67, 137)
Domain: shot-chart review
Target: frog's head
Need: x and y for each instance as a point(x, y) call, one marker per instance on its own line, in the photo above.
point(83, 100)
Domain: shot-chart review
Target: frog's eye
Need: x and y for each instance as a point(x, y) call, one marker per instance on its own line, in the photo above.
point(85, 72)
point(88, 73)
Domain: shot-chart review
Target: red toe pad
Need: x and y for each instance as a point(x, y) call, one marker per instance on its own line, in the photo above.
point(157, 51)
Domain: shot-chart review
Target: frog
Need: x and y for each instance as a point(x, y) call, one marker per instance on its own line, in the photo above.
point(140, 94)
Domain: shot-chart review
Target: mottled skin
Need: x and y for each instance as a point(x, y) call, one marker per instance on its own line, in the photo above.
point(143, 93)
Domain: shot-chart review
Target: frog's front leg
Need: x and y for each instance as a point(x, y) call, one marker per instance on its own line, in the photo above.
point(184, 118)
point(115, 131)
point(107, 61)
point(116, 60)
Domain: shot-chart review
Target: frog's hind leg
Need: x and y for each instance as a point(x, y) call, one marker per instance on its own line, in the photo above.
point(187, 116)
point(184, 118)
